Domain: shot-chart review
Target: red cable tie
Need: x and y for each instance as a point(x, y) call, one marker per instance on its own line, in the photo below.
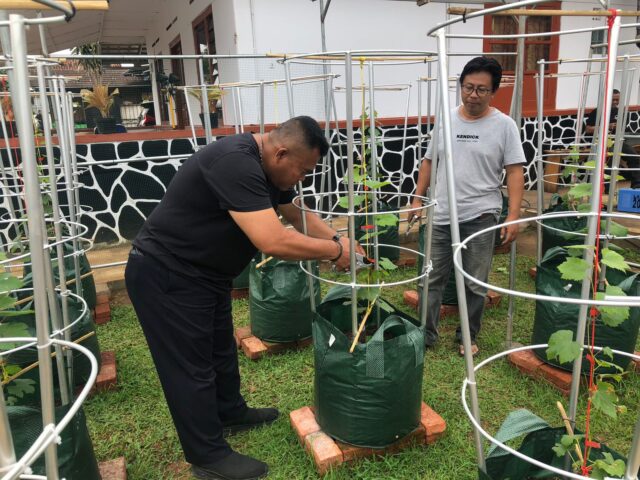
point(593, 312)
point(592, 444)
point(612, 17)
point(367, 227)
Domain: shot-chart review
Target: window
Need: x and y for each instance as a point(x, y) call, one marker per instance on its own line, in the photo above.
point(204, 38)
point(536, 48)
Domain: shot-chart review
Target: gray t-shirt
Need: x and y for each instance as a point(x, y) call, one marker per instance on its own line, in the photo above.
point(481, 149)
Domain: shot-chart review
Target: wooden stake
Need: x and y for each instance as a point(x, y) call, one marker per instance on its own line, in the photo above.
point(30, 5)
point(69, 282)
point(264, 262)
point(546, 13)
point(364, 320)
point(567, 425)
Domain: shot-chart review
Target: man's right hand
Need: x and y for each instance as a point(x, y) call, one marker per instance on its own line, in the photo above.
point(416, 203)
point(344, 262)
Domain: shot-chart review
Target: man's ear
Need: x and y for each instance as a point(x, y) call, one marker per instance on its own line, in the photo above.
point(281, 153)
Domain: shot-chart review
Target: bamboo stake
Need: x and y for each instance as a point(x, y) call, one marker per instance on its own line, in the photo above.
point(364, 320)
point(69, 282)
point(30, 5)
point(358, 58)
point(567, 425)
point(546, 13)
point(53, 354)
point(264, 262)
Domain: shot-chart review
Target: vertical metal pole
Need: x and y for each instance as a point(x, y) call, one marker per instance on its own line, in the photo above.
point(261, 103)
point(54, 308)
point(348, 80)
point(374, 161)
point(205, 103)
point(605, 108)
point(328, 83)
point(239, 98)
point(154, 90)
point(539, 160)
point(429, 73)
point(419, 144)
point(633, 459)
point(235, 110)
point(455, 239)
point(404, 145)
point(191, 122)
point(7, 451)
point(22, 105)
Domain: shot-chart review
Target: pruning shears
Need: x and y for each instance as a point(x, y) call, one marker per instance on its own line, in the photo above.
point(411, 223)
point(364, 262)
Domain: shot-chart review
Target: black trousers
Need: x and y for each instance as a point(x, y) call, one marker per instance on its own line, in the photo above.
point(189, 330)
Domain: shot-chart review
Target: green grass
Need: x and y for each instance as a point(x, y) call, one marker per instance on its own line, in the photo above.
point(134, 421)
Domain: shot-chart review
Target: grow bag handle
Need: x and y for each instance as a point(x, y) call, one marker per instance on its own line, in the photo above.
point(375, 346)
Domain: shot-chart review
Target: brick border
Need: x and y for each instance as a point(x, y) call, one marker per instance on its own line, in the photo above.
point(102, 312)
point(239, 293)
point(328, 453)
point(115, 469)
point(411, 298)
point(107, 376)
point(254, 348)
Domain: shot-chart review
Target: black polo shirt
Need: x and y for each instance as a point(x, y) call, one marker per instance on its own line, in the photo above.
point(191, 231)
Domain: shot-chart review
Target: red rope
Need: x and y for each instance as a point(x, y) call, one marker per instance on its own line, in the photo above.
point(593, 311)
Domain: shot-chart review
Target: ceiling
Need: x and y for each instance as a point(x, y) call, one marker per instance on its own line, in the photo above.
point(126, 22)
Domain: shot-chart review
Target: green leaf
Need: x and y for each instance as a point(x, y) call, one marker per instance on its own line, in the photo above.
point(386, 220)
point(8, 282)
point(608, 467)
point(357, 201)
point(584, 208)
point(12, 330)
point(580, 190)
point(615, 229)
point(386, 264)
point(368, 294)
point(6, 302)
point(20, 386)
point(573, 268)
point(369, 235)
point(607, 352)
point(614, 260)
point(604, 399)
point(374, 185)
point(562, 347)
point(12, 369)
point(612, 316)
point(576, 250)
point(569, 170)
point(385, 306)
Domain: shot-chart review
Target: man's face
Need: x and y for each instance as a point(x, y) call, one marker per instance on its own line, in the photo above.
point(292, 165)
point(615, 100)
point(476, 92)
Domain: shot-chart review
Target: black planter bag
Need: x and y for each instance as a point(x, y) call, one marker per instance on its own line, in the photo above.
point(560, 238)
point(76, 459)
point(373, 397)
point(389, 235)
point(450, 295)
point(280, 301)
point(88, 283)
point(538, 444)
point(553, 316)
point(81, 365)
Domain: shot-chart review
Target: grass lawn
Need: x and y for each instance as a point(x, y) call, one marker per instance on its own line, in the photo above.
point(134, 421)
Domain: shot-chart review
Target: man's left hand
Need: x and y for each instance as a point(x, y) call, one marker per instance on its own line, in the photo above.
point(509, 233)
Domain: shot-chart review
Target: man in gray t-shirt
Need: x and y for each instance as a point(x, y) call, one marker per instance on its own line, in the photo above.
point(485, 141)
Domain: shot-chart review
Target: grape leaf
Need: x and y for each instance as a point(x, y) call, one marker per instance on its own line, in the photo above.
point(608, 467)
point(357, 201)
point(12, 330)
point(612, 316)
point(18, 387)
point(576, 250)
point(368, 294)
point(573, 268)
point(387, 220)
point(584, 207)
point(607, 352)
point(580, 190)
point(6, 302)
point(613, 260)
point(562, 347)
point(373, 185)
point(385, 306)
point(615, 229)
point(369, 235)
point(604, 399)
point(386, 264)
point(8, 282)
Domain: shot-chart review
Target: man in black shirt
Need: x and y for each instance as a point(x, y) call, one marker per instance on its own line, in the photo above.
point(219, 209)
point(629, 156)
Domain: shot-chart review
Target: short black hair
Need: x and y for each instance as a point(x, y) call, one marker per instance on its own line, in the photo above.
point(616, 91)
point(306, 129)
point(483, 64)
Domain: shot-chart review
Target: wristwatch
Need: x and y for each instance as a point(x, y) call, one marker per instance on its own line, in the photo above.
point(336, 238)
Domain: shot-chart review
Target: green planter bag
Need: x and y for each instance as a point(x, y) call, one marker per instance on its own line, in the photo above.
point(242, 280)
point(553, 316)
point(556, 235)
point(373, 397)
point(280, 301)
point(76, 459)
point(538, 443)
point(388, 236)
point(88, 283)
point(81, 365)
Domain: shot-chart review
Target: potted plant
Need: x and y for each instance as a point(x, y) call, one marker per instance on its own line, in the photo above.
point(100, 99)
point(214, 93)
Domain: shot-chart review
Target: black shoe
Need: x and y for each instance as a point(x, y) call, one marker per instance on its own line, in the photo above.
point(253, 418)
point(233, 467)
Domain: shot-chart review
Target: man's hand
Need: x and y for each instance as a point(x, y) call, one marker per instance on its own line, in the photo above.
point(344, 262)
point(415, 203)
point(510, 232)
point(612, 126)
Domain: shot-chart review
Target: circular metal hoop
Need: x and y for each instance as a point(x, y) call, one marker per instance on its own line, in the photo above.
point(371, 285)
point(457, 262)
point(296, 201)
point(498, 443)
point(51, 433)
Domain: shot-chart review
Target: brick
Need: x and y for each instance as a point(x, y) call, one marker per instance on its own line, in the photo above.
point(304, 343)
point(325, 451)
point(102, 314)
point(253, 348)
point(303, 421)
point(103, 289)
point(102, 298)
point(433, 423)
point(526, 361)
point(406, 262)
point(275, 347)
point(411, 298)
point(557, 377)
point(241, 333)
point(448, 310)
point(417, 436)
point(533, 272)
point(115, 469)
point(351, 452)
point(636, 363)
point(107, 376)
point(493, 298)
point(238, 293)
point(500, 249)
